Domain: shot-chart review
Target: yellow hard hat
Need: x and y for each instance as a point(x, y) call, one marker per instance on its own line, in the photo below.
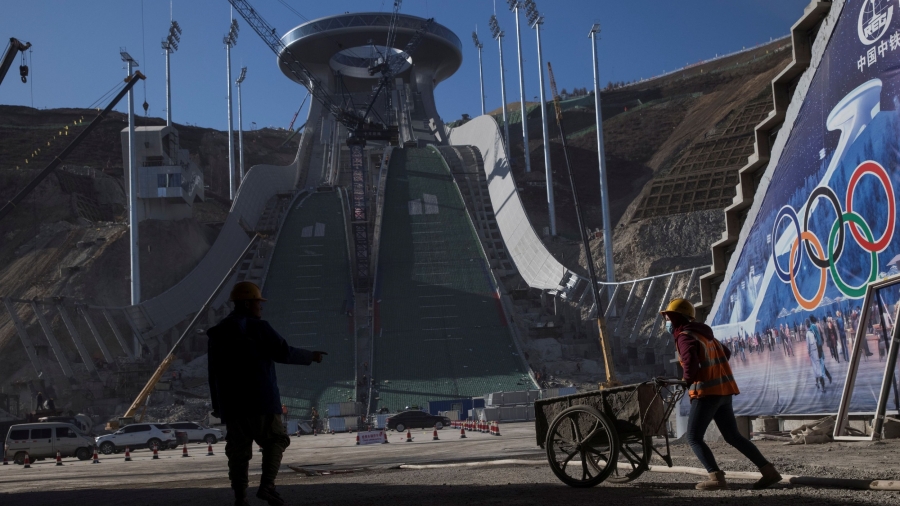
point(246, 290)
point(681, 306)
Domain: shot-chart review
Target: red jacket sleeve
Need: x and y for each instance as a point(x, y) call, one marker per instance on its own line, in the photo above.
point(688, 350)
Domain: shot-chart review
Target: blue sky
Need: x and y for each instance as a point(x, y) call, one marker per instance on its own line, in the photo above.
point(75, 58)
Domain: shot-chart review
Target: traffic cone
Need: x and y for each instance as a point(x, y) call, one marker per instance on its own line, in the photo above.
point(408, 436)
point(184, 452)
point(58, 458)
point(435, 436)
point(357, 440)
point(385, 438)
point(462, 432)
point(496, 428)
point(127, 455)
point(96, 457)
point(5, 460)
point(28, 462)
point(209, 452)
point(155, 452)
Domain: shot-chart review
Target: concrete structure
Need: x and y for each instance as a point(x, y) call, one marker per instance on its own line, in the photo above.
point(168, 183)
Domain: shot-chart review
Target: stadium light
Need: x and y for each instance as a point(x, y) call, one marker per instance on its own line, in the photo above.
point(514, 6)
point(230, 40)
point(601, 155)
point(240, 79)
point(498, 34)
point(479, 46)
point(536, 20)
point(170, 45)
point(132, 197)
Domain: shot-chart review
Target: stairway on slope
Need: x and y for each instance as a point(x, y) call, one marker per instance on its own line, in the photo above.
point(440, 330)
point(310, 299)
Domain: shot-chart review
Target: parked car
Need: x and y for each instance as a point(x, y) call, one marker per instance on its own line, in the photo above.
point(197, 432)
point(43, 440)
point(138, 435)
point(415, 419)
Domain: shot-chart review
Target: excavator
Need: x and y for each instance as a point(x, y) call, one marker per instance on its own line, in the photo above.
point(15, 46)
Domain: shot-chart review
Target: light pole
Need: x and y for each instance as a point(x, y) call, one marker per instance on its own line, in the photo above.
point(230, 40)
point(535, 20)
point(601, 153)
point(170, 45)
point(479, 46)
point(498, 34)
point(135, 266)
point(240, 79)
point(514, 6)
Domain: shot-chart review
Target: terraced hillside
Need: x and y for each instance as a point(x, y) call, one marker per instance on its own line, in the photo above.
point(440, 332)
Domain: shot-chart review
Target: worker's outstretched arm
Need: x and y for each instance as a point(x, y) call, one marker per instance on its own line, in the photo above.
point(280, 351)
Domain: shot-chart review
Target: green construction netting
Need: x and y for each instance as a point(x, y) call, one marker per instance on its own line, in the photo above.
point(440, 332)
point(309, 290)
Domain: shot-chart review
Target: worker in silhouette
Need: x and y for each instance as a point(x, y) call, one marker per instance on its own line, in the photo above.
point(711, 388)
point(243, 350)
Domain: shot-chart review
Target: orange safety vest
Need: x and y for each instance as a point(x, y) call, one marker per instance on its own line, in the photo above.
point(715, 376)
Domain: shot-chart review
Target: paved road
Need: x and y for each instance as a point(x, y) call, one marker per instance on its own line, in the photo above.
point(376, 479)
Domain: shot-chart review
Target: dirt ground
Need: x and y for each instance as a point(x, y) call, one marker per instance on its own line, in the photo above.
point(336, 471)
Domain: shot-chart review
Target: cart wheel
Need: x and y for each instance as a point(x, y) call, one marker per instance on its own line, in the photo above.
point(634, 459)
point(583, 435)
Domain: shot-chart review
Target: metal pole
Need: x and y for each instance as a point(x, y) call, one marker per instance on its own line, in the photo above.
point(601, 153)
point(547, 169)
point(240, 134)
point(524, 111)
point(168, 91)
point(230, 128)
point(481, 79)
point(133, 220)
point(503, 93)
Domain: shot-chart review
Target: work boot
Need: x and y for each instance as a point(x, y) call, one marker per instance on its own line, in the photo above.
point(770, 476)
point(716, 482)
point(267, 493)
point(240, 497)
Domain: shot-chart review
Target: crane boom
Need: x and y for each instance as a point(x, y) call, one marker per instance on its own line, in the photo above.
point(605, 345)
point(15, 46)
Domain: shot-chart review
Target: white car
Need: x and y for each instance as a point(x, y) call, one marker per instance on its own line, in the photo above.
point(197, 432)
point(138, 435)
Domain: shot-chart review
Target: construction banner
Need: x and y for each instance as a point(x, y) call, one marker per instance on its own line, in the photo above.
point(821, 230)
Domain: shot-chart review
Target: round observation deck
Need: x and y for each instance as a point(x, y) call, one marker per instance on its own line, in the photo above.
point(351, 43)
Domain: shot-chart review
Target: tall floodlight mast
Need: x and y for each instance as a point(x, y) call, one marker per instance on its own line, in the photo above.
point(514, 6)
point(135, 266)
point(601, 153)
point(240, 80)
point(170, 45)
point(230, 40)
point(479, 46)
point(536, 20)
point(498, 34)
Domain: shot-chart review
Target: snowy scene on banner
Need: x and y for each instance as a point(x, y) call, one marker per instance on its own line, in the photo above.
point(825, 229)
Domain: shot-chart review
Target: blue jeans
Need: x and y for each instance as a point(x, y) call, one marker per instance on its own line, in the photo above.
point(718, 408)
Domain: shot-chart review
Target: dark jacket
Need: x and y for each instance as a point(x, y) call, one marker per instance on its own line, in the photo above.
point(243, 350)
point(688, 348)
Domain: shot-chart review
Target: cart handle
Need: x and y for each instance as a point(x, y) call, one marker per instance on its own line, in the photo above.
point(670, 382)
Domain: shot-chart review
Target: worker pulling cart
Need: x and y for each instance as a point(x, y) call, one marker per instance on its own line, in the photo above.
point(608, 434)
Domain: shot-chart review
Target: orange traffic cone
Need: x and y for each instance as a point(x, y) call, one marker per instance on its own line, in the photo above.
point(209, 452)
point(383, 433)
point(435, 437)
point(408, 436)
point(184, 452)
point(462, 432)
point(127, 455)
point(28, 462)
point(58, 458)
point(96, 458)
point(357, 440)
point(5, 460)
point(496, 428)
point(155, 452)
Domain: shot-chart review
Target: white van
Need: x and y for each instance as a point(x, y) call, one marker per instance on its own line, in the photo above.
point(42, 441)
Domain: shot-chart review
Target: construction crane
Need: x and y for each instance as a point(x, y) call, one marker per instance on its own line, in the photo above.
point(58, 159)
point(605, 343)
point(15, 46)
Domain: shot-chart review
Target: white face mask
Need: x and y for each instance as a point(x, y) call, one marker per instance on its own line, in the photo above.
point(669, 327)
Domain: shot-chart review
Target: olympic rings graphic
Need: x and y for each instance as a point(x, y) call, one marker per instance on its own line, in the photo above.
point(860, 230)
